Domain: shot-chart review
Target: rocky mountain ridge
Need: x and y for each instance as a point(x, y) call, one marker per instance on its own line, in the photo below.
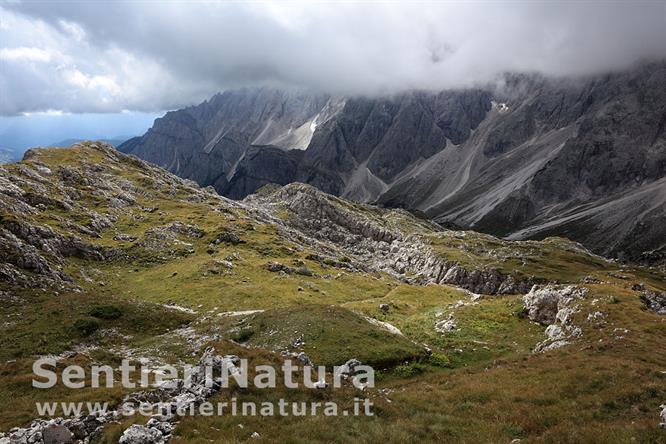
point(105, 256)
point(373, 239)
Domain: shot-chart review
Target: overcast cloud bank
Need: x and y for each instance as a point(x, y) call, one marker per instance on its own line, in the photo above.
point(148, 56)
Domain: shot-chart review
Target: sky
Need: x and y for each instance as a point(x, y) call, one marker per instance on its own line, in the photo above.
point(105, 61)
point(19, 133)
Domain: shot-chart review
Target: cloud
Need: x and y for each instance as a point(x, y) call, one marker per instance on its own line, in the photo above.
point(24, 54)
point(146, 56)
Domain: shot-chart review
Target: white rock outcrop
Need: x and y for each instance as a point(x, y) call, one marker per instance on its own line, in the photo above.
point(554, 306)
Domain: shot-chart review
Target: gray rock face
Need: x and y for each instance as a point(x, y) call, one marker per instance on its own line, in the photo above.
point(239, 141)
point(205, 143)
point(584, 158)
point(259, 166)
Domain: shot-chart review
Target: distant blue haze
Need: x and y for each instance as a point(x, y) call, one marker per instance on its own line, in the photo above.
point(18, 133)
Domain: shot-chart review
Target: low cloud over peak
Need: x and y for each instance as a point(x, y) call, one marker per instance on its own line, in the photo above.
point(147, 56)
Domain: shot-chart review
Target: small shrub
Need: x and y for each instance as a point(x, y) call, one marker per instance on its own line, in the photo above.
point(108, 312)
point(86, 327)
point(408, 370)
point(243, 335)
point(439, 360)
point(514, 430)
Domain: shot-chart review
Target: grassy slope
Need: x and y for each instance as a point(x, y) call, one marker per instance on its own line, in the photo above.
point(489, 389)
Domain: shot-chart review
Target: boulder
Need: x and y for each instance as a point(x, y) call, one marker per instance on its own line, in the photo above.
point(543, 304)
point(186, 230)
point(138, 434)
point(303, 359)
point(348, 368)
point(276, 267)
point(654, 301)
point(446, 325)
point(228, 237)
point(554, 307)
point(164, 427)
point(56, 434)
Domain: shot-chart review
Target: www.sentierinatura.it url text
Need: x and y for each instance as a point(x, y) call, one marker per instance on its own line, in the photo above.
point(233, 407)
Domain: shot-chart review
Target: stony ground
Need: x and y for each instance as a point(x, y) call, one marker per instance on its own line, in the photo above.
point(475, 339)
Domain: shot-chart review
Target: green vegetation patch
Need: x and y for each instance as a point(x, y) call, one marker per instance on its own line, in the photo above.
point(330, 336)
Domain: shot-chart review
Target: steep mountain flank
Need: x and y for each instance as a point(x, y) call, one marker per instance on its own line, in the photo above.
point(525, 158)
point(361, 140)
